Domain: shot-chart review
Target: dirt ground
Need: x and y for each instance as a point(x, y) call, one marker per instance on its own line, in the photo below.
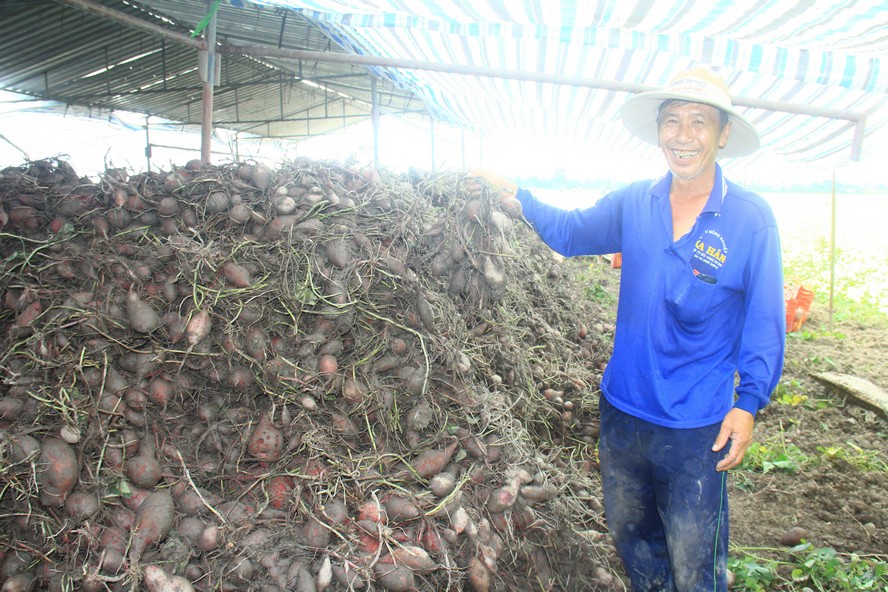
point(837, 504)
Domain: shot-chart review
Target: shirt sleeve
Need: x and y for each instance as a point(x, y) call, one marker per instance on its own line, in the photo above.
point(763, 341)
point(595, 230)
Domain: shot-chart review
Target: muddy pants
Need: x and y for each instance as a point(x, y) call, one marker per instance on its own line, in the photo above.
point(666, 506)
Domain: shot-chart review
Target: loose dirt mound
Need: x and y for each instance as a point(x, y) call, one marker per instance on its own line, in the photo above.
point(317, 377)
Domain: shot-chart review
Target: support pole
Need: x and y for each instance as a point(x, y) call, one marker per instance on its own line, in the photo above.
point(374, 117)
point(206, 120)
point(832, 251)
point(432, 140)
point(147, 144)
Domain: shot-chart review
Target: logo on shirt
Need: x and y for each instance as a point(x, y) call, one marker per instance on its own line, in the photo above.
point(710, 253)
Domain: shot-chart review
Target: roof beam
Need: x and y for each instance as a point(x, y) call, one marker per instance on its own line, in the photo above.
point(135, 22)
point(859, 119)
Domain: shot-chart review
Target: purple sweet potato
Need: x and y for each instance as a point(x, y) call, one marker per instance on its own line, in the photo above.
point(154, 519)
point(57, 471)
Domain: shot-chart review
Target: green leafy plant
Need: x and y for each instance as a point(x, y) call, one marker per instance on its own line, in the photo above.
point(789, 392)
point(792, 393)
point(597, 288)
point(857, 457)
point(774, 456)
point(805, 567)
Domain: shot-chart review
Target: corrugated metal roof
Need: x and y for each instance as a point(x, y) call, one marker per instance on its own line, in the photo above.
point(54, 51)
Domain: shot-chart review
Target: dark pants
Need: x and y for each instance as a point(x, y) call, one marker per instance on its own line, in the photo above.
point(666, 506)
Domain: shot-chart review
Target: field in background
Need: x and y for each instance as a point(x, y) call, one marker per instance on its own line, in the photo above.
point(861, 242)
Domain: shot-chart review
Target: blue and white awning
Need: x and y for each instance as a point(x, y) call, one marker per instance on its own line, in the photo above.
point(827, 56)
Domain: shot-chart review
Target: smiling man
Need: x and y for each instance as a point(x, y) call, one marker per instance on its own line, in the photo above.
point(700, 331)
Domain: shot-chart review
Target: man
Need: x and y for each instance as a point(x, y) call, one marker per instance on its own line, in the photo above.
point(701, 302)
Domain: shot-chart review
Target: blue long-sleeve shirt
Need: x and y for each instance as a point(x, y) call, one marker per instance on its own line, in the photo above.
point(692, 313)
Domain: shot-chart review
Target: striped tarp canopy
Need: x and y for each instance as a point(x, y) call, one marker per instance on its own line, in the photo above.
point(826, 58)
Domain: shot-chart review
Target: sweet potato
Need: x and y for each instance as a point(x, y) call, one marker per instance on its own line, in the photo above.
point(157, 580)
point(479, 576)
point(512, 207)
point(280, 488)
point(432, 541)
point(217, 202)
point(256, 343)
point(398, 508)
point(143, 470)
point(209, 539)
point(325, 574)
point(338, 253)
point(425, 311)
point(369, 536)
point(11, 407)
point(442, 484)
point(317, 534)
point(537, 493)
point(353, 390)
point(327, 365)
point(420, 416)
point(160, 391)
point(299, 578)
point(431, 462)
point(236, 275)
point(142, 317)
point(198, 327)
point(191, 529)
point(266, 442)
point(261, 176)
point(373, 511)
point(81, 505)
point(394, 578)
point(240, 377)
point(503, 498)
point(23, 448)
point(348, 577)
point(57, 471)
point(413, 557)
point(20, 582)
point(335, 511)
point(238, 574)
point(154, 518)
point(28, 315)
point(344, 425)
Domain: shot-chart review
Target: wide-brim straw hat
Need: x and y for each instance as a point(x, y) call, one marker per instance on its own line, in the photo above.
point(699, 85)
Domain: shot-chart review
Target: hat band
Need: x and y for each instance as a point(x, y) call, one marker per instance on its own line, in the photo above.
point(707, 92)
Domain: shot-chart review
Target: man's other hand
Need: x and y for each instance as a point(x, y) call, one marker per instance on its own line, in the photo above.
point(736, 428)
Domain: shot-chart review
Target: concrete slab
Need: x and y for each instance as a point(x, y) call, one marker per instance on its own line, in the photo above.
point(860, 390)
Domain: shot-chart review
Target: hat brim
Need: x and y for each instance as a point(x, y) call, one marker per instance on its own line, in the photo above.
point(639, 114)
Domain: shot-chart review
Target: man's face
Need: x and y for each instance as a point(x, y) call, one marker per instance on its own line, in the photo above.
point(690, 137)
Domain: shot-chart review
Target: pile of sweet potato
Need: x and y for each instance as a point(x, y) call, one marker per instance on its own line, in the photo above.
point(319, 377)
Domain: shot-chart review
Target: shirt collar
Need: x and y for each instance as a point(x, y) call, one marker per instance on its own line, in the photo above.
point(660, 189)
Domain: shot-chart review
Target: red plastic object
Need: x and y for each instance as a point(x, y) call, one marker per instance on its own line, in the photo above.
point(798, 304)
point(617, 260)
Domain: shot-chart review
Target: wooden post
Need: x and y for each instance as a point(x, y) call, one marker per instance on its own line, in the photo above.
point(832, 251)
